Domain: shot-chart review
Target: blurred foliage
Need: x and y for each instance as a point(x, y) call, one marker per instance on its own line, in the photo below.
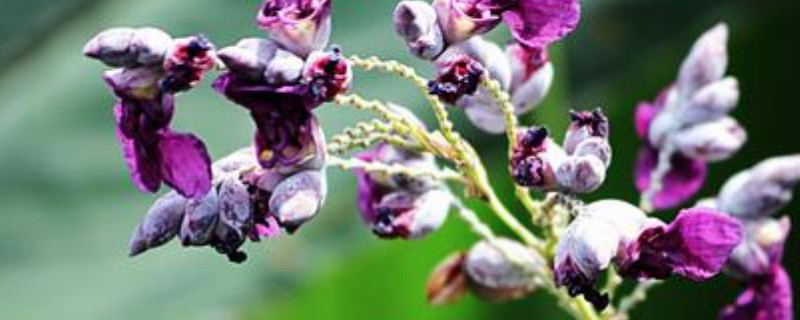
point(68, 207)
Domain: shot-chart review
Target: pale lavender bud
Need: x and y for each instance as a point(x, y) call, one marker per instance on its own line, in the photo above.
point(390, 155)
point(761, 249)
point(234, 204)
point(483, 112)
point(762, 190)
point(416, 22)
point(301, 26)
point(581, 174)
point(160, 225)
point(137, 83)
point(501, 270)
point(298, 198)
point(284, 67)
point(596, 147)
point(712, 102)
point(585, 125)
point(532, 75)
point(447, 283)
point(249, 57)
point(128, 47)
point(200, 220)
point(663, 125)
point(235, 162)
point(488, 54)
point(410, 216)
point(706, 62)
point(712, 141)
point(461, 20)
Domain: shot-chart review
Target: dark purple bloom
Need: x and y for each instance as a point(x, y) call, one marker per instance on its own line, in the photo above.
point(768, 297)
point(695, 245)
point(531, 165)
point(301, 26)
point(682, 181)
point(456, 77)
point(399, 206)
point(155, 68)
point(287, 133)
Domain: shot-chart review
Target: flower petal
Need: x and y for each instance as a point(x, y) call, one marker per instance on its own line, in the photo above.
point(142, 163)
point(684, 179)
point(765, 299)
point(185, 163)
point(539, 23)
point(695, 245)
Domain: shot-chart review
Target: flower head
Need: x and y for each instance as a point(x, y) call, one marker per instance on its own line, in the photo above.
point(399, 205)
point(154, 68)
point(300, 26)
point(688, 123)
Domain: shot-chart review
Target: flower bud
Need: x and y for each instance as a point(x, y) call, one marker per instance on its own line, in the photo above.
point(416, 22)
point(762, 190)
point(483, 112)
point(410, 216)
point(234, 204)
point(200, 220)
point(128, 47)
point(535, 159)
point(595, 147)
point(301, 26)
point(706, 62)
point(235, 162)
point(486, 53)
point(249, 57)
point(461, 19)
point(298, 198)
point(713, 141)
point(448, 282)
point(532, 75)
point(328, 73)
point(712, 102)
point(581, 174)
point(502, 270)
point(285, 68)
point(761, 249)
point(584, 125)
point(390, 155)
point(135, 83)
point(186, 62)
point(456, 77)
point(160, 225)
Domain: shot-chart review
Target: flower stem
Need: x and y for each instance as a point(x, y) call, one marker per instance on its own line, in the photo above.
point(657, 177)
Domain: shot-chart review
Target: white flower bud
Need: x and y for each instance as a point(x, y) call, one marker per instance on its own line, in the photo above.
point(597, 147)
point(706, 62)
point(530, 93)
point(416, 22)
point(581, 174)
point(128, 47)
point(298, 198)
point(284, 67)
point(501, 270)
point(249, 57)
point(200, 220)
point(712, 102)
point(483, 112)
point(431, 212)
point(762, 190)
point(712, 141)
point(160, 225)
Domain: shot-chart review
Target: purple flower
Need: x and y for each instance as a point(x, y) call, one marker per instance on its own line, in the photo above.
point(155, 68)
point(456, 77)
point(535, 159)
point(533, 23)
point(398, 205)
point(766, 298)
point(695, 245)
point(300, 26)
point(688, 124)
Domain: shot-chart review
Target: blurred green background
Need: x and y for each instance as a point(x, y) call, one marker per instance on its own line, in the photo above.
point(68, 208)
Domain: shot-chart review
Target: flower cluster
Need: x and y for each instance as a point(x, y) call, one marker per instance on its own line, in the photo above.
point(151, 67)
point(400, 206)
point(579, 166)
point(695, 245)
point(752, 197)
point(688, 125)
point(448, 32)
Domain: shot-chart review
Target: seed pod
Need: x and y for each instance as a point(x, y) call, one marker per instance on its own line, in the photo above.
point(200, 220)
point(447, 283)
point(502, 270)
point(416, 22)
point(160, 225)
point(298, 198)
point(128, 47)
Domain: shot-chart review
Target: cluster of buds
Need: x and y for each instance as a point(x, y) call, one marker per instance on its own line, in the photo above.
point(399, 205)
point(448, 30)
point(579, 165)
point(688, 125)
point(496, 270)
point(753, 197)
point(695, 246)
point(281, 80)
point(150, 68)
point(246, 202)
